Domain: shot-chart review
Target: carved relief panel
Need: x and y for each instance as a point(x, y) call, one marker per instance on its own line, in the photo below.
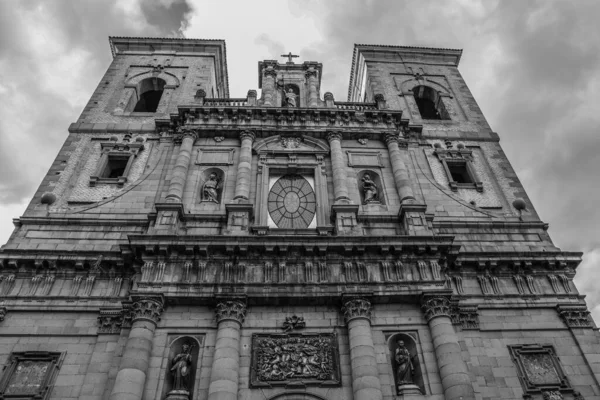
point(30, 375)
point(539, 368)
point(283, 359)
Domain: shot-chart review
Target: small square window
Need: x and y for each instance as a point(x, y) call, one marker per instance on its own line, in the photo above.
point(115, 167)
point(112, 168)
point(460, 173)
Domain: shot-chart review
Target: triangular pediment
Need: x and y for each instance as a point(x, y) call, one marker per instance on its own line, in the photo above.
point(291, 144)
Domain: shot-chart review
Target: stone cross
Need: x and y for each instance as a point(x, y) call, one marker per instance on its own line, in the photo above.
point(289, 56)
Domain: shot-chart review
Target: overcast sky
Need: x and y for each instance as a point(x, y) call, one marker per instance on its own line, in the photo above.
point(533, 67)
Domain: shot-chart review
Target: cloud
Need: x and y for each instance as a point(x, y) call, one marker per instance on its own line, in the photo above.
point(52, 55)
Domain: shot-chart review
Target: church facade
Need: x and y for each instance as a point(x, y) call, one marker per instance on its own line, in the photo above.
point(186, 245)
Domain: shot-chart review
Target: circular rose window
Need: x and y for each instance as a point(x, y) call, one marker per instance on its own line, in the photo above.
point(292, 202)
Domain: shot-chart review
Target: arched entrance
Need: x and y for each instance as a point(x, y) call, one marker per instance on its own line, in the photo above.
point(296, 395)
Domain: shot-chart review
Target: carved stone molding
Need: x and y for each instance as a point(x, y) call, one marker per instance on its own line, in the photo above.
point(356, 308)
point(2, 313)
point(147, 308)
point(437, 305)
point(110, 321)
point(575, 316)
point(233, 310)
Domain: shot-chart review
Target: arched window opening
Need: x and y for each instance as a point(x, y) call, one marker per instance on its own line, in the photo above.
point(150, 91)
point(430, 103)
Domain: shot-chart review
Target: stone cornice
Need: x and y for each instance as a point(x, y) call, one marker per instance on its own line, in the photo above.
point(439, 244)
point(237, 114)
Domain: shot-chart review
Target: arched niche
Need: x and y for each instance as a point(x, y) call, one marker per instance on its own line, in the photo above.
point(175, 348)
point(211, 190)
point(362, 182)
point(290, 96)
point(411, 344)
point(296, 395)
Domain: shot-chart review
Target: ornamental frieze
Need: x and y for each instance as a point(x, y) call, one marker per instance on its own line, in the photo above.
point(285, 359)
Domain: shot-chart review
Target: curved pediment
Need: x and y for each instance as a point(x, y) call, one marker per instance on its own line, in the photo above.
point(291, 144)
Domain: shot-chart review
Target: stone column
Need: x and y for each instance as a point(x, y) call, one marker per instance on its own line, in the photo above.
point(268, 85)
point(242, 184)
point(182, 165)
point(340, 190)
point(365, 376)
point(131, 378)
point(224, 374)
point(399, 168)
point(313, 91)
point(453, 370)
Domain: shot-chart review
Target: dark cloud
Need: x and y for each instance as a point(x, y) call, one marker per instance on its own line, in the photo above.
point(37, 39)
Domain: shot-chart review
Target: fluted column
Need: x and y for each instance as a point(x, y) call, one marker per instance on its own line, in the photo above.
point(453, 370)
point(224, 376)
point(313, 91)
point(131, 378)
point(242, 185)
point(365, 376)
point(182, 164)
point(340, 190)
point(268, 85)
point(399, 169)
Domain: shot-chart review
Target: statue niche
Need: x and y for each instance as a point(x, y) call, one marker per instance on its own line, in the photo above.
point(291, 96)
point(212, 186)
point(181, 369)
point(406, 366)
point(370, 188)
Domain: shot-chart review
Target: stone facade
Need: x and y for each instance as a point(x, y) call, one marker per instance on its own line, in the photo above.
point(287, 246)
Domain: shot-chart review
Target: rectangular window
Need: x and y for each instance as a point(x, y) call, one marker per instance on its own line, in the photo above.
point(460, 173)
point(115, 167)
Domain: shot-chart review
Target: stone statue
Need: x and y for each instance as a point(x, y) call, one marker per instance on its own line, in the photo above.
point(405, 371)
point(181, 368)
point(370, 191)
point(209, 189)
point(290, 98)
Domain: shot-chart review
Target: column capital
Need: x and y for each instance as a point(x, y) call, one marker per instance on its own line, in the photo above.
point(435, 305)
point(390, 137)
point(185, 131)
point(247, 135)
point(575, 316)
point(147, 308)
point(269, 71)
point(234, 310)
point(356, 308)
point(331, 136)
point(310, 72)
